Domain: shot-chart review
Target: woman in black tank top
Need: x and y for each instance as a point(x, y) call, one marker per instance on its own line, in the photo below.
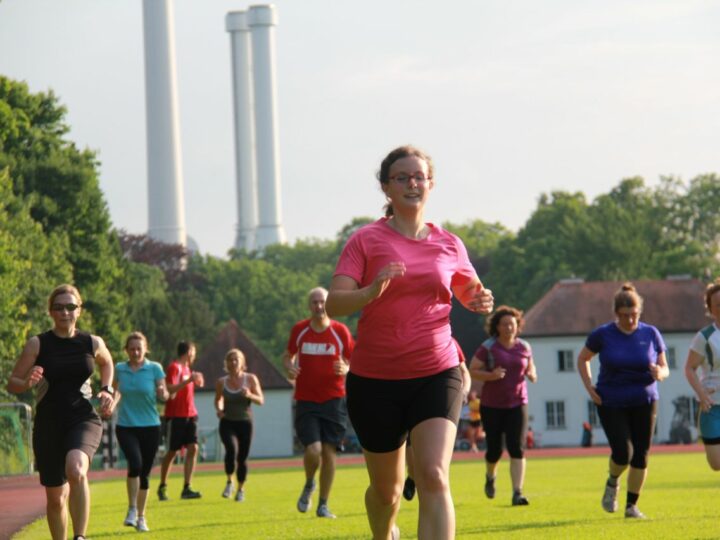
point(67, 430)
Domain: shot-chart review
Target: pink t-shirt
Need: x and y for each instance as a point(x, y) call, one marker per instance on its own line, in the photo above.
point(511, 390)
point(405, 333)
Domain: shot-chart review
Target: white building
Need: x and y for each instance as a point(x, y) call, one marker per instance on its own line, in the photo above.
point(272, 422)
point(557, 326)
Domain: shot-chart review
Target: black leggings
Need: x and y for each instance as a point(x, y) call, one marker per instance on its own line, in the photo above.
point(513, 423)
point(139, 444)
point(629, 431)
point(236, 436)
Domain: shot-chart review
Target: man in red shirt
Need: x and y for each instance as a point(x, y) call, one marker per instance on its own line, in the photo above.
point(181, 418)
point(317, 359)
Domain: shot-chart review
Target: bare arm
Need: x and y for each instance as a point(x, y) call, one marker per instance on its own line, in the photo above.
point(26, 374)
point(219, 400)
point(531, 372)
point(474, 297)
point(346, 296)
point(583, 366)
point(104, 361)
point(194, 378)
point(254, 393)
point(291, 365)
point(161, 390)
point(694, 361)
point(479, 372)
point(660, 371)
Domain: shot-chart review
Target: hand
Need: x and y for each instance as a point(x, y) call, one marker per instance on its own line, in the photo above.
point(595, 396)
point(482, 300)
point(220, 413)
point(498, 373)
point(706, 401)
point(161, 393)
point(198, 379)
point(385, 276)
point(245, 391)
point(36, 373)
point(107, 404)
point(340, 367)
point(293, 372)
point(655, 371)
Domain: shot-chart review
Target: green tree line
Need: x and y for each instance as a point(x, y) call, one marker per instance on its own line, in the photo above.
point(55, 227)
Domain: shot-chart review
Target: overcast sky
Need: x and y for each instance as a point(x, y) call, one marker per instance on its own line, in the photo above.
point(512, 98)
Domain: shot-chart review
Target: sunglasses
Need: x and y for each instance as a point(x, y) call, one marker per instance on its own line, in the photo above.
point(64, 307)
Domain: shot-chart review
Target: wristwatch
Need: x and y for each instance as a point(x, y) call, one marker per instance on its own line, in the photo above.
point(109, 389)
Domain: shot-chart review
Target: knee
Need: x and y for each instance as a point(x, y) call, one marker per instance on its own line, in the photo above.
point(76, 472)
point(387, 494)
point(516, 452)
point(192, 449)
point(432, 480)
point(56, 501)
point(133, 470)
point(144, 482)
point(313, 450)
point(639, 460)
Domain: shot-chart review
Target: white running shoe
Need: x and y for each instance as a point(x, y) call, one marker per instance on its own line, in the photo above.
point(240, 496)
point(131, 518)
point(609, 499)
point(395, 533)
point(632, 511)
point(227, 492)
point(324, 512)
point(142, 525)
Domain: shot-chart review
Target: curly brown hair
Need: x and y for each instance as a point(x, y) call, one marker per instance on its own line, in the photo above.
point(493, 320)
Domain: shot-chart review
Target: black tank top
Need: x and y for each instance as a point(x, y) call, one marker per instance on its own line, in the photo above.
point(67, 366)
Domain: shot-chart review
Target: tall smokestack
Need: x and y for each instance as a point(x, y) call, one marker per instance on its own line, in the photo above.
point(262, 21)
point(166, 203)
point(236, 24)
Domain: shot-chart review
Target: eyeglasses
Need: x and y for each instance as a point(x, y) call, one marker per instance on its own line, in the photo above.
point(403, 178)
point(64, 307)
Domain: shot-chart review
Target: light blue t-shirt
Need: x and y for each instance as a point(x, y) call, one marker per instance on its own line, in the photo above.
point(137, 407)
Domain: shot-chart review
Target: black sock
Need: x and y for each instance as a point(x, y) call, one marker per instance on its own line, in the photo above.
point(310, 483)
point(612, 481)
point(187, 486)
point(322, 501)
point(632, 499)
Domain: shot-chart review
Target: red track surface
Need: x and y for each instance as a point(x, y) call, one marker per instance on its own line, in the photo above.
point(22, 498)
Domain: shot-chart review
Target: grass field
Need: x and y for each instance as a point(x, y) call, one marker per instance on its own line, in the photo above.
point(680, 499)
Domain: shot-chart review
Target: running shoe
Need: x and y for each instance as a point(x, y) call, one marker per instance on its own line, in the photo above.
point(518, 499)
point(409, 489)
point(304, 502)
point(228, 490)
point(609, 499)
point(162, 492)
point(131, 518)
point(633, 512)
point(324, 511)
point(142, 525)
point(240, 496)
point(395, 533)
point(188, 493)
point(489, 487)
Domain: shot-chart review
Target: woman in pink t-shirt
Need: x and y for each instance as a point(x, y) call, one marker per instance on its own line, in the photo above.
point(503, 362)
point(404, 375)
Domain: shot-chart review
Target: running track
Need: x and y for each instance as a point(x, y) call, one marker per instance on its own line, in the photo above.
point(22, 499)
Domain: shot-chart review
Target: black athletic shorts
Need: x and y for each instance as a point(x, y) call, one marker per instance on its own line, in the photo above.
point(384, 411)
point(55, 434)
point(321, 422)
point(181, 432)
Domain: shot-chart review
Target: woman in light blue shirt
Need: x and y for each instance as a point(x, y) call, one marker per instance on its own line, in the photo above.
point(139, 383)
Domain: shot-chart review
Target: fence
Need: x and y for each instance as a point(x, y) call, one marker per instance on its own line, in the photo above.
point(15, 438)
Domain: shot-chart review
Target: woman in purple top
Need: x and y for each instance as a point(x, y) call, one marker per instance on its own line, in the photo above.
point(503, 362)
point(632, 360)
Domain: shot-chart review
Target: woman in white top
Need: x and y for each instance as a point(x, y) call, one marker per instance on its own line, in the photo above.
point(704, 353)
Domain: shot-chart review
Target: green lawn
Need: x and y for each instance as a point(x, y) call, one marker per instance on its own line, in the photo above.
point(680, 498)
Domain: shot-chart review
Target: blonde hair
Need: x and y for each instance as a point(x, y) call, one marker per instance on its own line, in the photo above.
point(241, 358)
point(65, 288)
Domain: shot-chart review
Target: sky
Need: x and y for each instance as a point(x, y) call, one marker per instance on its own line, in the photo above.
point(511, 98)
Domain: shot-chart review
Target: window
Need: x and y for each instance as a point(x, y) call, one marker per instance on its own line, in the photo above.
point(566, 360)
point(686, 410)
point(671, 360)
point(555, 414)
point(593, 418)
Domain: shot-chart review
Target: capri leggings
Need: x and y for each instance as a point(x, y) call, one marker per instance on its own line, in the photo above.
point(512, 422)
point(629, 432)
point(139, 444)
point(236, 436)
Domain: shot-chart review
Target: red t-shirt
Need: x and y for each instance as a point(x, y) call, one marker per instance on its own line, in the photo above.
point(183, 404)
point(317, 351)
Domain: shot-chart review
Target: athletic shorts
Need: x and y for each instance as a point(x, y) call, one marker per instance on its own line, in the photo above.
point(383, 412)
point(53, 437)
point(710, 425)
point(324, 422)
point(181, 432)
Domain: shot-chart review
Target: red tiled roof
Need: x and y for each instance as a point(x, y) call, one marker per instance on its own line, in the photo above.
point(573, 307)
point(211, 360)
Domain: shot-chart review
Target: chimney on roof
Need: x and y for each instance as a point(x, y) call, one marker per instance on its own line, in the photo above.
point(571, 281)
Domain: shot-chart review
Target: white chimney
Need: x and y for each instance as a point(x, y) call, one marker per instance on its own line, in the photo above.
point(262, 21)
point(236, 24)
point(166, 204)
